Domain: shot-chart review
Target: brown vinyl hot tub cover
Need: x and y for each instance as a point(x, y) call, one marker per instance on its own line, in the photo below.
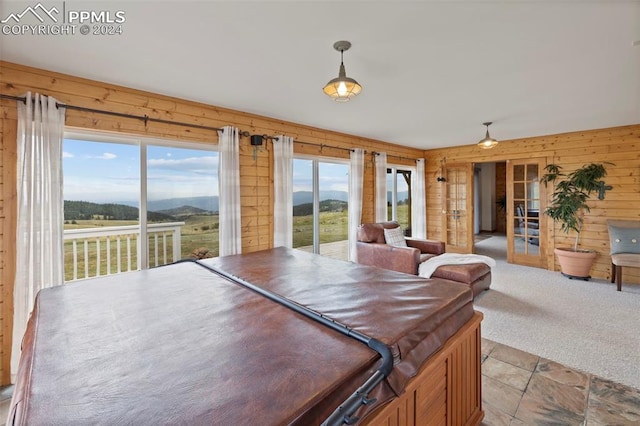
point(181, 345)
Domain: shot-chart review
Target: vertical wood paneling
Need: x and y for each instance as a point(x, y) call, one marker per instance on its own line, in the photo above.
point(8, 162)
point(618, 145)
point(446, 391)
point(256, 173)
point(501, 191)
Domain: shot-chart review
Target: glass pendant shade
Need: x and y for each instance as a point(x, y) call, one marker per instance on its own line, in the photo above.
point(342, 88)
point(487, 142)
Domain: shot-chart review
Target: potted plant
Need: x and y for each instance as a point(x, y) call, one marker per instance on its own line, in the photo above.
point(569, 207)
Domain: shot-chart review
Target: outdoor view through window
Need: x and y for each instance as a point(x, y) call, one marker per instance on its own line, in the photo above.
point(103, 191)
point(399, 197)
point(320, 207)
point(106, 182)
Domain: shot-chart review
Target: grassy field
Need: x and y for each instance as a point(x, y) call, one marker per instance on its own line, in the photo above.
point(333, 226)
point(199, 231)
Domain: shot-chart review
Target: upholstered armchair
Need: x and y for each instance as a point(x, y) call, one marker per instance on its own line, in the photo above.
point(374, 250)
point(624, 239)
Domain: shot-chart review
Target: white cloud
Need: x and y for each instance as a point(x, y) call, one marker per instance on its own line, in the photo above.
point(66, 154)
point(204, 165)
point(105, 156)
point(344, 187)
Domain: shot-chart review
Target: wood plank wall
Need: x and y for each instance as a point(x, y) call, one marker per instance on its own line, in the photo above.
point(501, 191)
point(256, 175)
point(619, 145)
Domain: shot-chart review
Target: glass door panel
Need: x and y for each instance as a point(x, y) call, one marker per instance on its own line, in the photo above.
point(525, 229)
point(320, 207)
point(303, 204)
point(333, 216)
point(182, 204)
point(101, 189)
point(399, 197)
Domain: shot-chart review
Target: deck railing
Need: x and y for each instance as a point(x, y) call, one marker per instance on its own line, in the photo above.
point(92, 252)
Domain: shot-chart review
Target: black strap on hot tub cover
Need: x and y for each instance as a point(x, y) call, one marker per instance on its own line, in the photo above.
point(345, 413)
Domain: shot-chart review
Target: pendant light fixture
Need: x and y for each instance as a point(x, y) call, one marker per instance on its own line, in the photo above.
point(487, 142)
point(342, 88)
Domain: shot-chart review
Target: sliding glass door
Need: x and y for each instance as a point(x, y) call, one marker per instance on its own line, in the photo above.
point(320, 207)
point(131, 204)
point(181, 203)
point(399, 197)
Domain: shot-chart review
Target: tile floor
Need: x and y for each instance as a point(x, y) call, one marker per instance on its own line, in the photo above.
point(519, 388)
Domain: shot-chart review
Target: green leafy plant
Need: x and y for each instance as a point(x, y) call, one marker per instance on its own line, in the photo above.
point(571, 193)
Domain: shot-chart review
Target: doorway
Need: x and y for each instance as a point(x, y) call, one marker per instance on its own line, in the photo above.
point(490, 197)
point(507, 204)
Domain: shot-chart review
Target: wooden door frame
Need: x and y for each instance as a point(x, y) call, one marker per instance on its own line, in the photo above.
point(541, 260)
point(470, 209)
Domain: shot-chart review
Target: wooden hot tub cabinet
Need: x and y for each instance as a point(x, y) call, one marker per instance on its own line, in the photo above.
point(446, 391)
point(206, 343)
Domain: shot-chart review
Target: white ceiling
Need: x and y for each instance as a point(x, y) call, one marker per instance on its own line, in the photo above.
point(431, 71)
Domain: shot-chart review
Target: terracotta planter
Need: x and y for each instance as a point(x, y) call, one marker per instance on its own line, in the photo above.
point(575, 264)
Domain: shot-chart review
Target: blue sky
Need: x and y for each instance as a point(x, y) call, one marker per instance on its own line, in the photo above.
point(108, 172)
point(332, 176)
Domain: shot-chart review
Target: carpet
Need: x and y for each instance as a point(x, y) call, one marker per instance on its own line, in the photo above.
point(586, 325)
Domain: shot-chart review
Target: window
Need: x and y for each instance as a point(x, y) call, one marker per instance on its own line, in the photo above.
point(109, 181)
point(399, 197)
point(320, 207)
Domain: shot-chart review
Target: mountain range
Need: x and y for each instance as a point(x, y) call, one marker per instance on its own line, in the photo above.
point(211, 204)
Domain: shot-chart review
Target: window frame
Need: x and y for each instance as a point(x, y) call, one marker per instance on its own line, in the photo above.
point(142, 142)
point(315, 189)
point(394, 193)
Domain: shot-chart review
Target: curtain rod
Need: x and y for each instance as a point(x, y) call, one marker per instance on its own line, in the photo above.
point(397, 156)
point(144, 118)
point(322, 145)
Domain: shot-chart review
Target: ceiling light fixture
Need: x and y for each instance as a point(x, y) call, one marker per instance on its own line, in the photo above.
point(487, 142)
point(342, 88)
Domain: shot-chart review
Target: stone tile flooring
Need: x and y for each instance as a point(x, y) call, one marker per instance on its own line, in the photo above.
point(519, 389)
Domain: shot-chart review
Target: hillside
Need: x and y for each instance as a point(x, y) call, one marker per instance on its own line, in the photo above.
point(304, 197)
point(84, 210)
point(325, 206)
point(184, 211)
point(209, 204)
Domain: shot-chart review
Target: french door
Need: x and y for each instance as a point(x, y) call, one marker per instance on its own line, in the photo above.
point(457, 208)
point(526, 227)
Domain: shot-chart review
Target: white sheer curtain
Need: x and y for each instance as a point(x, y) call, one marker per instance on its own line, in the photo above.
point(356, 176)
point(39, 245)
point(381, 187)
point(283, 191)
point(418, 202)
point(229, 190)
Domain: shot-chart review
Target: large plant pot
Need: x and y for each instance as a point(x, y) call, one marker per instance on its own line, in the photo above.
point(575, 264)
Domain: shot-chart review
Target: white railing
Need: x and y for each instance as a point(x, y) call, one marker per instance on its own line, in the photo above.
point(98, 244)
